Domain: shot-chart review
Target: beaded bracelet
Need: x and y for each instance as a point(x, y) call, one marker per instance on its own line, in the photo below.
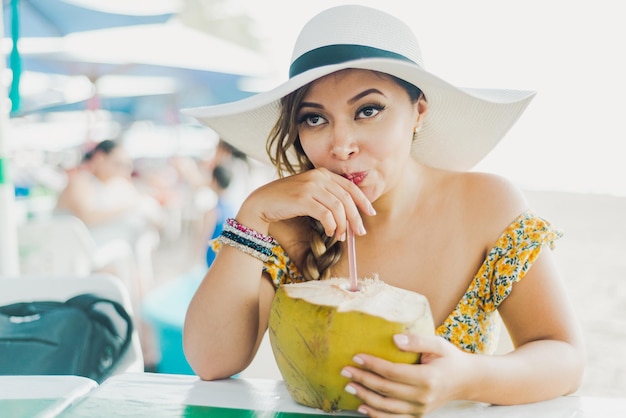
point(247, 240)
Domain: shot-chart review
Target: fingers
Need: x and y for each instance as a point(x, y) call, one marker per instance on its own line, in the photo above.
point(431, 348)
point(346, 202)
point(424, 344)
point(403, 389)
point(382, 397)
point(320, 194)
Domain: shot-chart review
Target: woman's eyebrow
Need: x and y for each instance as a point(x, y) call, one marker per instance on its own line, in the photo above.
point(350, 101)
point(363, 94)
point(311, 104)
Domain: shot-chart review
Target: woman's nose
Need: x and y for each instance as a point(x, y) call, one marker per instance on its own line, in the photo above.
point(344, 144)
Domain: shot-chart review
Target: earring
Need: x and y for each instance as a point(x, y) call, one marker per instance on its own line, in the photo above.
point(416, 131)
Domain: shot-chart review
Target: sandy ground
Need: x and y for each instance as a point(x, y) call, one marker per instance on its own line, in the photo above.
point(592, 259)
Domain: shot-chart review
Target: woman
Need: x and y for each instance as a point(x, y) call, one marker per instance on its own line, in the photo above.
point(102, 194)
point(364, 137)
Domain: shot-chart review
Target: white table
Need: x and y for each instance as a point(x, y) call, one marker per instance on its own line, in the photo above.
point(40, 396)
point(163, 395)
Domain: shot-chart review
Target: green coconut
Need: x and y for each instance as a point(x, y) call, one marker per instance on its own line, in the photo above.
point(317, 327)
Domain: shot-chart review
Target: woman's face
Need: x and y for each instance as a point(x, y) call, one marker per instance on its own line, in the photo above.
point(359, 124)
point(115, 164)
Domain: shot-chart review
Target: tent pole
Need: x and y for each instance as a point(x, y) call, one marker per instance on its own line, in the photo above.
point(16, 59)
point(9, 254)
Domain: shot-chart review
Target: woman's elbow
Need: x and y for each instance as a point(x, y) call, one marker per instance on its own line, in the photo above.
point(209, 365)
point(209, 374)
point(577, 361)
point(207, 368)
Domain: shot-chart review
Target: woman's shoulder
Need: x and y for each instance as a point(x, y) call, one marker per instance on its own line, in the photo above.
point(490, 202)
point(499, 188)
point(482, 190)
point(80, 176)
point(78, 181)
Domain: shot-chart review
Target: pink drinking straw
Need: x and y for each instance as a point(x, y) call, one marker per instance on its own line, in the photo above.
point(354, 285)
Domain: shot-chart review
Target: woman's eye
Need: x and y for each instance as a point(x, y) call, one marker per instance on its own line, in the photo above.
point(369, 111)
point(312, 119)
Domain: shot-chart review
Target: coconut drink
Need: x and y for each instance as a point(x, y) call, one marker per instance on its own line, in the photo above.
point(317, 327)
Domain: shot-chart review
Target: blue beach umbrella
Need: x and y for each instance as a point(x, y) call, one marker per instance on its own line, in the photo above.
point(46, 18)
point(57, 18)
point(207, 69)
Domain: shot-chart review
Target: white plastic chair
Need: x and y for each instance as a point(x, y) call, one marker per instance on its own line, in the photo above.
point(31, 288)
point(61, 245)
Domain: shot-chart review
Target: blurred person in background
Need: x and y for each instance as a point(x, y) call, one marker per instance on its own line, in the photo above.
point(217, 184)
point(101, 193)
point(240, 168)
point(214, 219)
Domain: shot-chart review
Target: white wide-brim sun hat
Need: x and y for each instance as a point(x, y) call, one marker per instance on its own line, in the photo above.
point(460, 127)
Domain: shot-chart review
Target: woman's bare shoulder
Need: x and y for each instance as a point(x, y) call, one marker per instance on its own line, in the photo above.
point(500, 190)
point(490, 201)
point(80, 178)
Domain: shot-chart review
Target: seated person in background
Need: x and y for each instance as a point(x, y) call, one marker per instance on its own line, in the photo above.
point(101, 193)
point(241, 171)
point(214, 219)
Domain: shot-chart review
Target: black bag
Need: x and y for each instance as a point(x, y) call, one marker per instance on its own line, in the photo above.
point(84, 336)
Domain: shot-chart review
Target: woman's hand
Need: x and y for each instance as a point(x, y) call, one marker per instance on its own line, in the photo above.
point(319, 193)
point(389, 389)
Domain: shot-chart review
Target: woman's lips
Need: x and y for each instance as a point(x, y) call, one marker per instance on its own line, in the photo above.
point(356, 178)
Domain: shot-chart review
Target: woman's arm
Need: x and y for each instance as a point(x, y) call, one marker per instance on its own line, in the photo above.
point(548, 360)
point(549, 357)
point(549, 354)
point(228, 315)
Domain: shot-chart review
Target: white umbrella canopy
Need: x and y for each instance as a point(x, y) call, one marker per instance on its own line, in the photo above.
point(42, 90)
point(131, 7)
point(169, 44)
point(207, 69)
point(143, 50)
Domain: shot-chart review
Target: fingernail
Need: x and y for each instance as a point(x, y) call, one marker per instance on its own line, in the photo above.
point(371, 210)
point(346, 373)
point(362, 410)
point(362, 230)
point(358, 360)
point(401, 339)
point(350, 389)
point(342, 237)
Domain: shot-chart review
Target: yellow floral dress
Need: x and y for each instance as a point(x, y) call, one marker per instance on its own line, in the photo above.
point(474, 325)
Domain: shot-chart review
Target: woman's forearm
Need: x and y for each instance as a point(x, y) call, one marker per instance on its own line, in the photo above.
point(536, 371)
point(223, 323)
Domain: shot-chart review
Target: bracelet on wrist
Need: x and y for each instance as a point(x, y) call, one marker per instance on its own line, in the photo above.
point(247, 240)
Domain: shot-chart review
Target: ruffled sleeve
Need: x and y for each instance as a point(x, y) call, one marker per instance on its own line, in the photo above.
point(474, 324)
point(511, 257)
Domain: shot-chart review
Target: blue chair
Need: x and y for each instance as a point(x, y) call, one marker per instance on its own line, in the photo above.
point(164, 309)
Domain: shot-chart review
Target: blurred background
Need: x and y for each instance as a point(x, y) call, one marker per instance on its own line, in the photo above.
point(79, 72)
